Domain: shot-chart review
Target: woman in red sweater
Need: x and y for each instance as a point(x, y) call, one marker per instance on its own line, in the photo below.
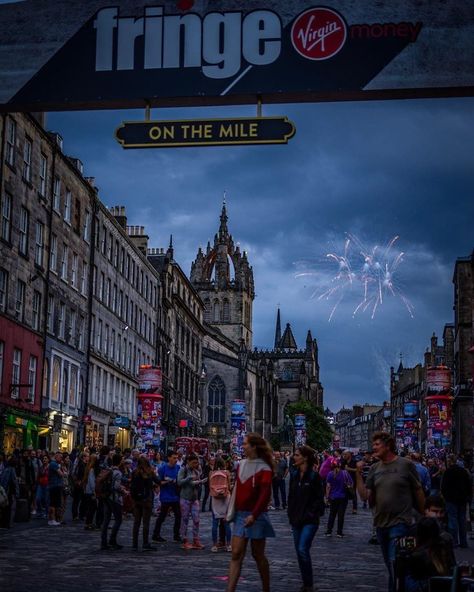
point(251, 496)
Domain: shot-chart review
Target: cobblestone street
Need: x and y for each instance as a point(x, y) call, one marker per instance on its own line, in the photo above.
point(67, 558)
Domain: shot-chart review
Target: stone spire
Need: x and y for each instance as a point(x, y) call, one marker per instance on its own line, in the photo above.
point(223, 230)
point(278, 330)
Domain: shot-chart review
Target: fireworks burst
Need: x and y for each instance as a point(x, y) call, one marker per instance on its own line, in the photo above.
point(370, 273)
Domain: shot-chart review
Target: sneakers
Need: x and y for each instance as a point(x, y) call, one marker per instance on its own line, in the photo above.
point(158, 539)
point(187, 546)
point(229, 548)
point(214, 549)
point(271, 507)
point(53, 523)
point(327, 533)
point(197, 544)
point(340, 536)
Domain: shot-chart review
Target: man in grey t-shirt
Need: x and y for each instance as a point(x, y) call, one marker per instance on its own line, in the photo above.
point(393, 488)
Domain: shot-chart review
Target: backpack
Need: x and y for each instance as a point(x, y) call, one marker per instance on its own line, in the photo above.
point(103, 483)
point(3, 498)
point(219, 484)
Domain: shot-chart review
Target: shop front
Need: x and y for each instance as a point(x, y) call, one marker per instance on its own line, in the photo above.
point(20, 430)
point(120, 432)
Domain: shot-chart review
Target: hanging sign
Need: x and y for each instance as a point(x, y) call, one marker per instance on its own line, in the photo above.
point(205, 132)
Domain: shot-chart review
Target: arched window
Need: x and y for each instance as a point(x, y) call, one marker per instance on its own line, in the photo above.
point(73, 386)
point(65, 385)
point(217, 309)
point(55, 379)
point(207, 310)
point(216, 401)
point(226, 311)
point(45, 378)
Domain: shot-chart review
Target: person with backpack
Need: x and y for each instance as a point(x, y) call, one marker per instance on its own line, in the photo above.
point(143, 482)
point(111, 490)
point(169, 498)
point(189, 480)
point(219, 489)
point(305, 508)
point(90, 474)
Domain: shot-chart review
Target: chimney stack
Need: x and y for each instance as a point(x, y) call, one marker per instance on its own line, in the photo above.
point(118, 212)
point(139, 238)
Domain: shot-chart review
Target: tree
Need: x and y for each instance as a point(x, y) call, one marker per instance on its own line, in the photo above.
point(318, 432)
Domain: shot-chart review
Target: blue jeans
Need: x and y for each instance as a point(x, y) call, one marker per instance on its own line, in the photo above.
point(387, 537)
point(279, 489)
point(42, 499)
point(303, 539)
point(215, 527)
point(457, 522)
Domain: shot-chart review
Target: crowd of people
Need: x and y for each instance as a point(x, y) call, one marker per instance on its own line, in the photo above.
point(418, 503)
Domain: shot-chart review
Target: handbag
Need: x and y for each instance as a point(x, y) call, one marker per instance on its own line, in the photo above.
point(349, 488)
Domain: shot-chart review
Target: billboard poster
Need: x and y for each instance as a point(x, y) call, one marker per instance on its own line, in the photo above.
point(238, 411)
point(59, 54)
point(410, 409)
point(150, 380)
point(439, 421)
point(300, 429)
point(438, 379)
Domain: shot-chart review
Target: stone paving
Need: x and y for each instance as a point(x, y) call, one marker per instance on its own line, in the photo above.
point(67, 558)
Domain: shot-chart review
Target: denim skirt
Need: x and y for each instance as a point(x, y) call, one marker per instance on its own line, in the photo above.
point(260, 529)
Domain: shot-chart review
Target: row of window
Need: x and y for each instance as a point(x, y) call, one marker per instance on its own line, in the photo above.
point(187, 343)
point(217, 311)
point(117, 348)
point(125, 264)
point(70, 209)
point(23, 367)
point(68, 265)
point(67, 385)
point(185, 382)
point(123, 307)
point(65, 323)
point(18, 291)
point(109, 392)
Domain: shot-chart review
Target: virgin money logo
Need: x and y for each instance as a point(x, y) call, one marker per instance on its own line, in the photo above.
point(318, 33)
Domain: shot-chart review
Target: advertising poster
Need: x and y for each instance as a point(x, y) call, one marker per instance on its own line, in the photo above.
point(300, 429)
point(150, 380)
point(238, 425)
point(439, 422)
point(410, 409)
point(438, 379)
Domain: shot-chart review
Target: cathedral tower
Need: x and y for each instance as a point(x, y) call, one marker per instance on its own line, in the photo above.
point(224, 279)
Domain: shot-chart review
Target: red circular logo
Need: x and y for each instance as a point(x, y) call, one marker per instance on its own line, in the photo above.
point(318, 33)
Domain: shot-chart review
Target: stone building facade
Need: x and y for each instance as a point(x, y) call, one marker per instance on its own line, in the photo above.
point(124, 300)
point(463, 405)
point(24, 217)
point(180, 335)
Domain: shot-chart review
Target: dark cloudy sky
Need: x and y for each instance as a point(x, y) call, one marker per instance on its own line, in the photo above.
point(373, 169)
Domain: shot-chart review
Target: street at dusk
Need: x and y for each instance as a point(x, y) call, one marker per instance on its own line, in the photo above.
point(236, 295)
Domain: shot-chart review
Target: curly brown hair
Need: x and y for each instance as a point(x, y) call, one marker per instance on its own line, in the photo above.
point(264, 450)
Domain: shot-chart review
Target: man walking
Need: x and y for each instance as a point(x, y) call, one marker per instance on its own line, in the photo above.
point(55, 486)
point(456, 488)
point(169, 498)
point(391, 487)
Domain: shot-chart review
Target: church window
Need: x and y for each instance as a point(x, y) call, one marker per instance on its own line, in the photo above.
point(207, 310)
point(226, 311)
point(217, 308)
point(216, 401)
